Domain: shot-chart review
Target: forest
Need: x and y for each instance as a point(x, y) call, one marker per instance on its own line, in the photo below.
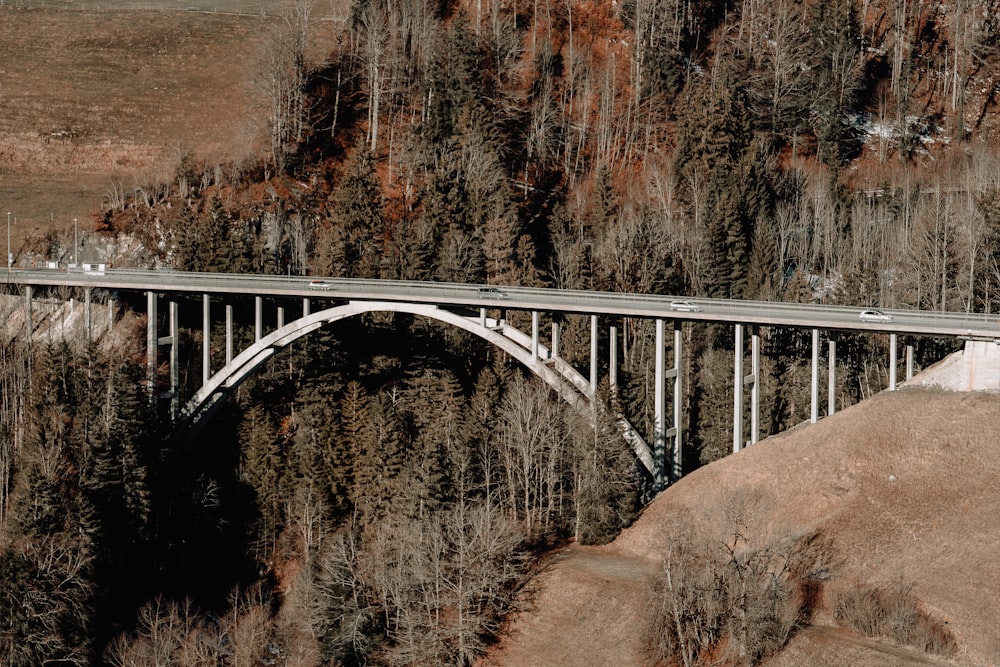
point(382, 492)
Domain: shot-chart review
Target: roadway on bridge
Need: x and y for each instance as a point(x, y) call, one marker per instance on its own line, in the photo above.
point(929, 323)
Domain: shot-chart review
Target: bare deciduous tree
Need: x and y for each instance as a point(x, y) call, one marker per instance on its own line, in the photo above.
point(280, 83)
point(741, 594)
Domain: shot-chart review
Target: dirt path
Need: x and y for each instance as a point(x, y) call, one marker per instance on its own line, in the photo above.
point(827, 645)
point(587, 608)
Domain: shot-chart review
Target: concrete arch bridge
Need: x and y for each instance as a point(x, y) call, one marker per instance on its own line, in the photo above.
point(482, 311)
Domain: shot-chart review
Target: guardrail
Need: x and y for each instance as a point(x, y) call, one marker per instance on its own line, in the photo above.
point(764, 313)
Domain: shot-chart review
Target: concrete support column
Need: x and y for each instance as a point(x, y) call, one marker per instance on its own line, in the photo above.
point(206, 338)
point(892, 362)
point(534, 334)
point(175, 366)
point(909, 362)
point(831, 382)
point(86, 314)
point(27, 313)
point(738, 389)
point(814, 387)
point(482, 317)
point(152, 341)
point(555, 338)
point(613, 356)
point(258, 318)
point(677, 469)
point(659, 408)
point(305, 307)
point(755, 387)
point(111, 314)
point(593, 355)
point(229, 333)
point(281, 316)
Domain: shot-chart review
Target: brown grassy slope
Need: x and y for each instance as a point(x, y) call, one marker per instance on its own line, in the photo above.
point(905, 483)
point(91, 98)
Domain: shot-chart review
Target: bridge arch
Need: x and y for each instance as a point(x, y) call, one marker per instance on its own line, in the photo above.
point(555, 372)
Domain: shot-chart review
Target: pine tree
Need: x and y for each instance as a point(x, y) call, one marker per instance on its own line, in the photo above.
point(212, 241)
point(357, 239)
point(454, 83)
point(605, 493)
point(434, 403)
point(714, 129)
point(604, 205)
point(378, 464)
point(262, 463)
point(798, 289)
point(446, 207)
point(837, 63)
point(763, 273)
point(738, 197)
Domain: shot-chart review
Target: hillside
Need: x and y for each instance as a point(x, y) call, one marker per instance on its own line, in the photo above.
point(903, 484)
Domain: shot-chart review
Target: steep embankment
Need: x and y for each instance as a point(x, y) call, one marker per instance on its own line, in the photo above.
point(905, 485)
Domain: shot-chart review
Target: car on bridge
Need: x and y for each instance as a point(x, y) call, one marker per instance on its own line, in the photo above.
point(490, 292)
point(685, 305)
point(874, 316)
point(320, 284)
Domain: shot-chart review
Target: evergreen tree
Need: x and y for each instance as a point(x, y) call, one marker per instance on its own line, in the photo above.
point(355, 435)
point(716, 143)
point(837, 67)
point(378, 463)
point(412, 250)
point(714, 129)
point(262, 463)
point(446, 207)
point(435, 405)
point(763, 272)
point(798, 289)
point(213, 241)
point(356, 241)
point(738, 197)
point(489, 210)
point(315, 425)
point(454, 83)
point(604, 204)
point(605, 492)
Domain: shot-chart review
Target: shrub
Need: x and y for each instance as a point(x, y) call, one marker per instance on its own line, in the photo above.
point(893, 612)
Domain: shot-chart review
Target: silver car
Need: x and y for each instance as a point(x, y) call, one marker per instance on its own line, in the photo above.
point(685, 305)
point(874, 316)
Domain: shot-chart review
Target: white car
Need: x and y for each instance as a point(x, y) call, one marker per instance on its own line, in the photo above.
point(685, 305)
point(874, 316)
point(319, 284)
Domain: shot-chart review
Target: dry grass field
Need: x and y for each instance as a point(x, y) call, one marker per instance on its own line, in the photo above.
point(92, 99)
point(217, 6)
